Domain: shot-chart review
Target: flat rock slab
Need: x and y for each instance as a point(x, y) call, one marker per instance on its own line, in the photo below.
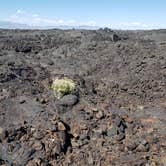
point(18, 111)
point(68, 100)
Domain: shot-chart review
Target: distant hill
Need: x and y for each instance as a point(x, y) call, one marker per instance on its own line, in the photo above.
point(11, 25)
point(72, 27)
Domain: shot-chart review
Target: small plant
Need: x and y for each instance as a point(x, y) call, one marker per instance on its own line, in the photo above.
point(62, 87)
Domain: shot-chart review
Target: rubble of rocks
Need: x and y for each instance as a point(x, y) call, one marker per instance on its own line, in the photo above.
point(117, 114)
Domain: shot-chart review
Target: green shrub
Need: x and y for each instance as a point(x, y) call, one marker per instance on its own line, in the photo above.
point(62, 87)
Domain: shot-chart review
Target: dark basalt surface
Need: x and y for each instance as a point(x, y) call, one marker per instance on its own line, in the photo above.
point(117, 114)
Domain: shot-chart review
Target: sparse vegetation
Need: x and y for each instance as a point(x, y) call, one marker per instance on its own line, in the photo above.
point(62, 87)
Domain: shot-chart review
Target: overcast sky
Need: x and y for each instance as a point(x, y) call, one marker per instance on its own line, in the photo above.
point(120, 14)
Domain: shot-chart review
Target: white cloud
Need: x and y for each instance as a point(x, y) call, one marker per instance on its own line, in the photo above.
point(19, 11)
point(132, 25)
point(34, 19)
point(136, 24)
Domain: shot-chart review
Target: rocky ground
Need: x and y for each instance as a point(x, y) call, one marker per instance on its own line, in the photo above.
point(115, 117)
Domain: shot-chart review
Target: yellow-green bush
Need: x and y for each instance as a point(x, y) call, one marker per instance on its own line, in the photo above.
point(62, 87)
